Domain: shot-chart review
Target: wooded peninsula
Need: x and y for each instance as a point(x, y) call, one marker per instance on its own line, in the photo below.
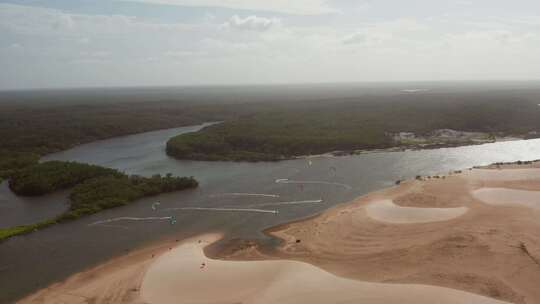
point(93, 188)
point(404, 121)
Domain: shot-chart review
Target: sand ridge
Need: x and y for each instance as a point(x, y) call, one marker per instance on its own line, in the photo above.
point(186, 275)
point(489, 250)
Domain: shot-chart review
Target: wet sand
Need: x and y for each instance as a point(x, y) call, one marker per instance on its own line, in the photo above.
point(460, 249)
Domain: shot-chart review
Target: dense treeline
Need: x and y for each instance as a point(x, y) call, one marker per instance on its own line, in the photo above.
point(36, 123)
point(44, 129)
point(112, 191)
point(11, 162)
point(287, 121)
point(367, 123)
point(34, 128)
point(47, 177)
point(106, 189)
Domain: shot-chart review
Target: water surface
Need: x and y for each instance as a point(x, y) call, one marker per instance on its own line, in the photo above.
point(40, 258)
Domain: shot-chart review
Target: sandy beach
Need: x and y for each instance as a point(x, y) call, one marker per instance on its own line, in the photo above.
point(469, 237)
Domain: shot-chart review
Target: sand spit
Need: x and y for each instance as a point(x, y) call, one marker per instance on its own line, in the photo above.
point(489, 250)
point(387, 211)
point(475, 252)
point(186, 275)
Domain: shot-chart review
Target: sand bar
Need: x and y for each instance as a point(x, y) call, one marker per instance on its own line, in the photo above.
point(488, 251)
point(186, 275)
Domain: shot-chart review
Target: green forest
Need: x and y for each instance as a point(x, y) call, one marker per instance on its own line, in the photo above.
point(94, 188)
point(301, 129)
point(47, 177)
point(32, 128)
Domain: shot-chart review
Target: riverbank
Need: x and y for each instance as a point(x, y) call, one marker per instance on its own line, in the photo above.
point(484, 252)
point(200, 146)
point(490, 249)
point(413, 147)
point(398, 122)
point(93, 189)
point(163, 274)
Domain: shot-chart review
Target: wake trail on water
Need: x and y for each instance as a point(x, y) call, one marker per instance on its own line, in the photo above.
point(113, 226)
point(288, 203)
point(118, 219)
point(223, 209)
point(288, 181)
point(244, 194)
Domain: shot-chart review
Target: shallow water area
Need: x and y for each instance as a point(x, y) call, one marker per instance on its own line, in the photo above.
point(19, 210)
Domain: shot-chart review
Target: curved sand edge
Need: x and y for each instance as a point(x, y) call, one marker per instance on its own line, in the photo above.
point(489, 250)
point(508, 197)
point(186, 275)
point(176, 276)
point(116, 281)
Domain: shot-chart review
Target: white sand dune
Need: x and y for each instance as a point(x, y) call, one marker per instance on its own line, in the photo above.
point(508, 197)
point(387, 211)
point(177, 277)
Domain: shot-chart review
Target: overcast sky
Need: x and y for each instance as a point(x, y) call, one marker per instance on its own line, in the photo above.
point(79, 43)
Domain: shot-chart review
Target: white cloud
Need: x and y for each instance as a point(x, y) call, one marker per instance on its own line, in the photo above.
point(90, 49)
point(252, 23)
point(28, 20)
point(349, 5)
point(481, 39)
point(366, 38)
point(295, 7)
point(374, 34)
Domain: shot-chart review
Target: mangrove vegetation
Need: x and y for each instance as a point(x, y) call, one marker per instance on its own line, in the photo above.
point(94, 189)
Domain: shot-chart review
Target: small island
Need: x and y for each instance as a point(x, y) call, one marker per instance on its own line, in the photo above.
point(94, 188)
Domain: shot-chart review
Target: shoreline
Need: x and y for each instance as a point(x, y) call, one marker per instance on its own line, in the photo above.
point(414, 147)
point(342, 153)
point(298, 245)
point(439, 244)
point(117, 280)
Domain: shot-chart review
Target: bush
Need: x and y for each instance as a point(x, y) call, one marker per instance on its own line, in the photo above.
point(105, 192)
point(51, 176)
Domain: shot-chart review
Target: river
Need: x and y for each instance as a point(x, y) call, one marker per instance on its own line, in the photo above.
point(289, 189)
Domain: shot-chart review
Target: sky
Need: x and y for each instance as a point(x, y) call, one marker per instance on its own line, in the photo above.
point(102, 43)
